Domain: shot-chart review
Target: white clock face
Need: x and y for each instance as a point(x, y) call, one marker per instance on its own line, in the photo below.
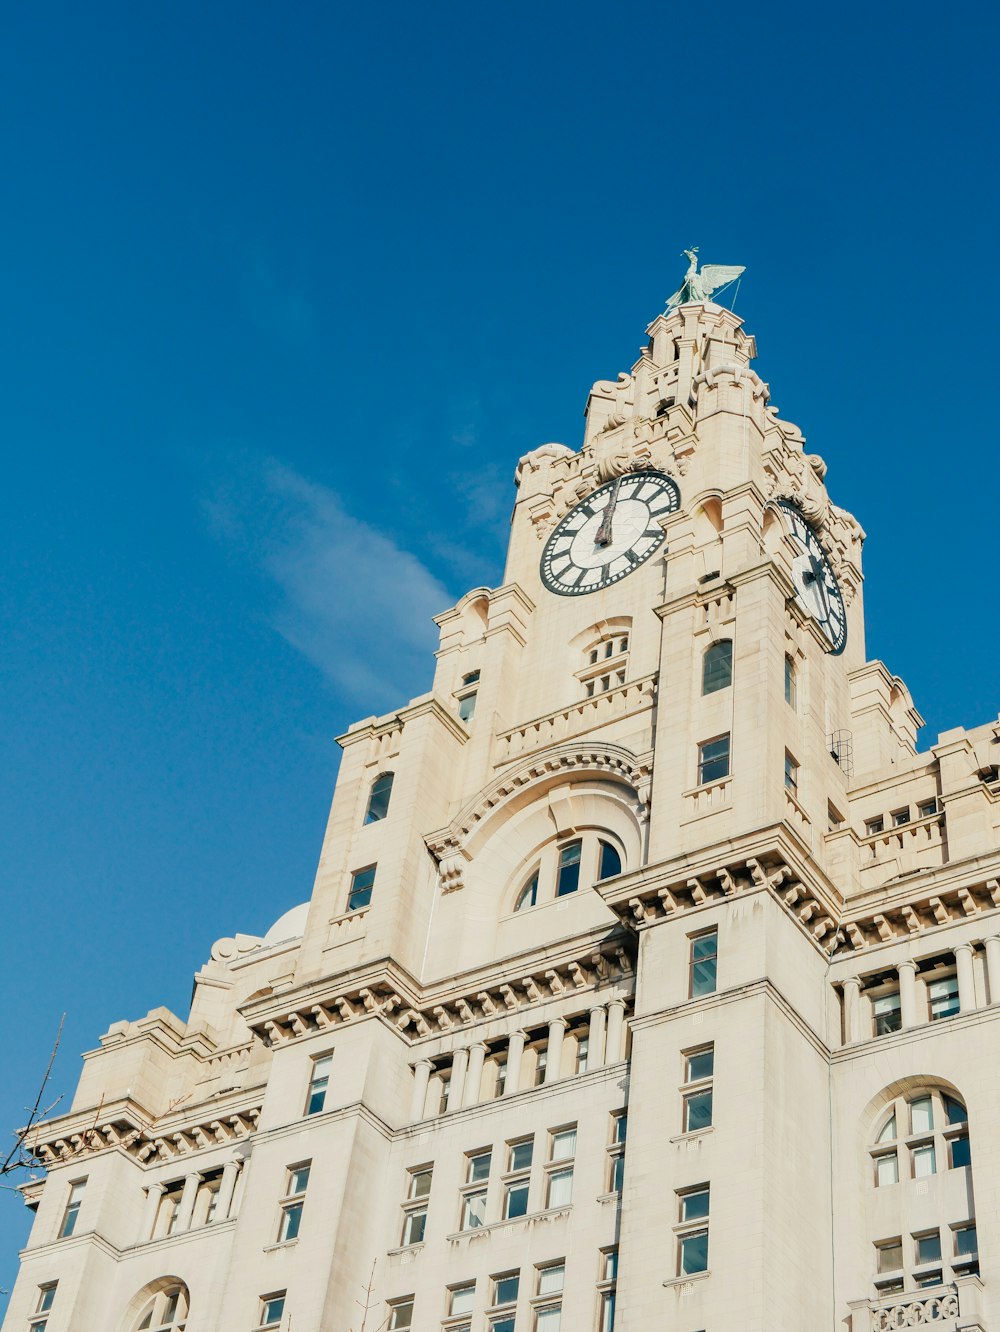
point(607, 536)
point(816, 588)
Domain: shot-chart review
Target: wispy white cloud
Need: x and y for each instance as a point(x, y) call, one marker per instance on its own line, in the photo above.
point(348, 597)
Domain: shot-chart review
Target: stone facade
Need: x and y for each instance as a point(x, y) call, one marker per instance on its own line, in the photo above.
point(776, 959)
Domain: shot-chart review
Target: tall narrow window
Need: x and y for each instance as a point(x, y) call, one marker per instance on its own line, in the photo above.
point(528, 896)
point(559, 1171)
point(606, 1291)
point(319, 1083)
point(290, 1212)
point(466, 695)
point(548, 1304)
point(473, 1197)
point(568, 876)
point(704, 963)
point(713, 760)
point(611, 861)
point(46, 1298)
point(696, 1096)
point(72, 1212)
point(616, 1151)
point(362, 883)
point(504, 1291)
point(791, 774)
point(517, 1178)
point(717, 667)
point(378, 798)
point(418, 1188)
point(791, 692)
point(886, 1013)
point(942, 998)
point(692, 1238)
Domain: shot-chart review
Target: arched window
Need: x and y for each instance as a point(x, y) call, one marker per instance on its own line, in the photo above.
point(378, 798)
point(923, 1132)
point(167, 1311)
point(610, 862)
point(528, 895)
point(717, 667)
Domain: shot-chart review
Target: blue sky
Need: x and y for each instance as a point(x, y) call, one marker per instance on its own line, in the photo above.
point(289, 289)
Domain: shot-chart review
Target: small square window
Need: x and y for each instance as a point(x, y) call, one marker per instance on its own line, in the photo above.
point(551, 1279)
point(272, 1309)
point(959, 1151)
point(889, 1255)
point(401, 1315)
point(886, 1013)
point(926, 809)
point(478, 1167)
point(699, 1064)
point(697, 1111)
point(563, 1146)
point(362, 883)
point(505, 1288)
point(420, 1183)
point(46, 1297)
point(694, 1204)
point(954, 1111)
point(519, 1154)
point(693, 1257)
point(966, 1244)
point(462, 1300)
point(927, 1248)
point(942, 997)
point(900, 817)
point(873, 826)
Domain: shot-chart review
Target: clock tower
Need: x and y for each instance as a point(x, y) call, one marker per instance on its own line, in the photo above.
point(649, 976)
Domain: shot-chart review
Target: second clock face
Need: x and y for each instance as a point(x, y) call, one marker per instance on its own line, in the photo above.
point(592, 548)
point(816, 586)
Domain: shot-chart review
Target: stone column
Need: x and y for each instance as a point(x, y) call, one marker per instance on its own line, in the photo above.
point(993, 967)
point(907, 972)
point(185, 1207)
point(154, 1193)
point(553, 1065)
point(230, 1174)
point(852, 991)
point(597, 1027)
point(421, 1077)
point(515, 1053)
point(474, 1074)
point(456, 1089)
point(966, 984)
point(616, 1032)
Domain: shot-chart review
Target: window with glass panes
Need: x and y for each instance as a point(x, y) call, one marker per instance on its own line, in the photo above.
point(517, 1178)
point(790, 684)
point(362, 883)
point(919, 1136)
point(503, 1299)
point(319, 1084)
point(606, 1290)
point(550, 1280)
point(942, 997)
point(559, 1170)
point(616, 1151)
point(290, 1211)
point(692, 1233)
point(73, 1204)
point(473, 1196)
point(378, 798)
point(461, 1301)
point(717, 667)
point(696, 1094)
point(886, 1012)
point(401, 1314)
point(272, 1309)
point(713, 760)
point(568, 872)
point(704, 963)
point(418, 1187)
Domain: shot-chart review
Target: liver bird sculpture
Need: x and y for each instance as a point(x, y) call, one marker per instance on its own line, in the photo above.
point(699, 286)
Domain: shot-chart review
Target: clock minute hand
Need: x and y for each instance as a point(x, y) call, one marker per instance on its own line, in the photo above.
point(815, 575)
point(605, 533)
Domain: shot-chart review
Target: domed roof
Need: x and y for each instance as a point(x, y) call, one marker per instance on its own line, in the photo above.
point(288, 926)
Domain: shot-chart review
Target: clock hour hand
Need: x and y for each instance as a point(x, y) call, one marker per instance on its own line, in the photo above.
point(605, 533)
point(815, 575)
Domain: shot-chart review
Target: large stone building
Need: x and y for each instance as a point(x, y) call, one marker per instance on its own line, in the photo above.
point(657, 849)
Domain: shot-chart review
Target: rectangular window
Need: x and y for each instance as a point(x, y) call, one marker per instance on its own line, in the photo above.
point(462, 1300)
point(72, 1212)
point(692, 1244)
point(541, 1063)
point(704, 963)
point(505, 1288)
point(296, 1179)
point(272, 1309)
point(889, 1255)
point(46, 1297)
point(568, 876)
point(834, 818)
point(886, 1170)
point(791, 774)
point(874, 826)
point(362, 883)
point(699, 1064)
point(517, 1179)
point(790, 682)
point(559, 1181)
point(616, 1151)
point(467, 707)
point(921, 1115)
point(966, 1244)
point(927, 1248)
point(942, 997)
point(926, 809)
point(401, 1314)
point(582, 1052)
point(477, 1167)
point(606, 1291)
point(886, 1013)
point(473, 1210)
point(548, 1319)
point(713, 760)
point(319, 1083)
point(900, 817)
point(697, 1110)
point(924, 1162)
point(415, 1208)
point(959, 1152)
point(560, 1188)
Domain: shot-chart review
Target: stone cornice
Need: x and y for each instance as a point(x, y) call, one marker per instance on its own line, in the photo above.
point(425, 706)
point(579, 717)
point(414, 1012)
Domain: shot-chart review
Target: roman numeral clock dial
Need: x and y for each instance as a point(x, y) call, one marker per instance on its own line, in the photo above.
point(816, 588)
point(611, 533)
